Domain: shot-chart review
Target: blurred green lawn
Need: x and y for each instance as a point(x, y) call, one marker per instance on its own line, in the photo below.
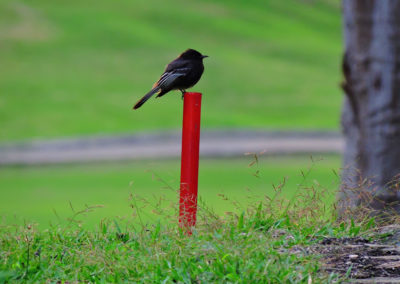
point(32, 194)
point(72, 68)
point(77, 67)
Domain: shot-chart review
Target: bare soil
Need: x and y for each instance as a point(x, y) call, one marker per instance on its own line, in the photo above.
point(372, 260)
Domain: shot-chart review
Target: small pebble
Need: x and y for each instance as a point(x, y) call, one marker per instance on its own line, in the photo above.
point(353, 256)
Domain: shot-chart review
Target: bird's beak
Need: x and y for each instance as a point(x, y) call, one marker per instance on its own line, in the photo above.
point(204, 56)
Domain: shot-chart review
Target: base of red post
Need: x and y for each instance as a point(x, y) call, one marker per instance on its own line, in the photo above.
point(189, 160)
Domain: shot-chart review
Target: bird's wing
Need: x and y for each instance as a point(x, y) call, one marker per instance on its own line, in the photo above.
point(177, 64)
point(168, 77)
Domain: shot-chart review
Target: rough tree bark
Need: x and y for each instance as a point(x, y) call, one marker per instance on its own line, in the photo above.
point(371, 110)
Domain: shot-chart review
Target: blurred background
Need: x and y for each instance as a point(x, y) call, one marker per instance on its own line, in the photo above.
point(70, 72)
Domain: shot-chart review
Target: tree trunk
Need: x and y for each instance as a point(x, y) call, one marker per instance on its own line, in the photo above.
point(371, 110)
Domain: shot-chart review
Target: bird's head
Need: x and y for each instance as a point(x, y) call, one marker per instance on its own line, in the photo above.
point(192, 54)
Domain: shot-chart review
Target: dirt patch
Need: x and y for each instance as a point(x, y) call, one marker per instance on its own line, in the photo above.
point(362, 259)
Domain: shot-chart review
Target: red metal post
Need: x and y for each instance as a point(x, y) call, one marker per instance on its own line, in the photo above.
point(189, 159)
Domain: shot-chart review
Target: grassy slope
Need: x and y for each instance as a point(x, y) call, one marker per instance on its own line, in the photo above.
point(32, 194)
point(71, 68)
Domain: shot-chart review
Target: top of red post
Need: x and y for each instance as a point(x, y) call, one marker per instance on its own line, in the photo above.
point(193, 93)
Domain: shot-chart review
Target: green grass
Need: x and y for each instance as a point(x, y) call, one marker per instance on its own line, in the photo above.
point(77, 67)
point(266, 243)
point(33, 194)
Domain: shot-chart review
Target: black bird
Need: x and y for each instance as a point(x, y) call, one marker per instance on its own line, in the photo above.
point(181, 74)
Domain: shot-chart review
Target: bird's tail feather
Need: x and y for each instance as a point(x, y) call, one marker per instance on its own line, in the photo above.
point(146, 97)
